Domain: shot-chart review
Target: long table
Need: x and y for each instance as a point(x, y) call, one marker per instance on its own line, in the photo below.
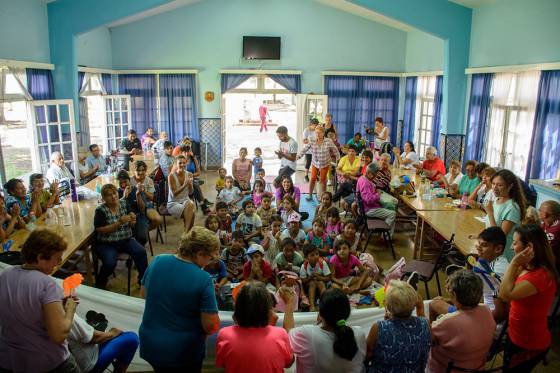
point(77, 225)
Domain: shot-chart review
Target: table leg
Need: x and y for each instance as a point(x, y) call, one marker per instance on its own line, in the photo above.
point(89, 266)
point(416, 236)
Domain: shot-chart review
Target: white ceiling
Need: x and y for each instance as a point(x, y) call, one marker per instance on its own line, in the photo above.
point(473, 3)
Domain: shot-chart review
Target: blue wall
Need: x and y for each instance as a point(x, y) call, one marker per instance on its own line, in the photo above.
point(424, 52)
point(511, 32)
point(24, 30)
point(208, 36)
point(93, 48)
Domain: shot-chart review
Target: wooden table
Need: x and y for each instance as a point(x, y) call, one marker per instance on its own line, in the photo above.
point(462, 223)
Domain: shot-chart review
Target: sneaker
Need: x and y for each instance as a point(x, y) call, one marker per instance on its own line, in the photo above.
point(306, 178)
point(413, 280)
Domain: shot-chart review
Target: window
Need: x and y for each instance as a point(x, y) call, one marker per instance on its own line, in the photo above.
point(426, 90)
point(510, 122)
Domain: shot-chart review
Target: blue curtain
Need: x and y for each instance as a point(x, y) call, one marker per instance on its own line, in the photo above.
point(81, 77)
point(107, 81)
point(230, 81)
point(477, 116)
point(178, 106)
point(355, 101)
point(438, 99)
point(409, 110)
point(544, 155)
point(292, 82)
point(143, 96)
point(40, 84)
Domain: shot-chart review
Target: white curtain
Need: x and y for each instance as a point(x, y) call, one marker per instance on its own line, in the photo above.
point(92, 85)
point(13, 84)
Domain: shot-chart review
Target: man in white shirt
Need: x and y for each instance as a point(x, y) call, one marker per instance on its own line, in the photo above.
point(287, 154)
point(58, 170)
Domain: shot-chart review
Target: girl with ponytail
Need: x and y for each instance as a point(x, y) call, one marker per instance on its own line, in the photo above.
point(331, 346)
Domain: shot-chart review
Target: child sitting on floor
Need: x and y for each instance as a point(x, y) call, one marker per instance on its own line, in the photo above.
point(266, 211)
point(288, 208)
point(324, 206)
point(334, 225)
point(342, 265)
point(318, 237)
point(230, 195)
point(314, 273)
point(257, 268)
point(223, 216)
point(234, 257)
point(271, 240)
point(349, 233)
point(221, 182)
point(294, 230)
point(213, 223)
point(258, 192)
point(288, 259)
point(249, 222)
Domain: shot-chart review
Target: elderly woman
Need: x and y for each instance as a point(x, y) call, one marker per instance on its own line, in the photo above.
point(452, 179)
point(530, 286)
point(35, 319)
point(432, 166)
point(348, 172)
point(408, 158)
point(113, 223)
point(371, 197)
point(178, 318)
point(254, 344)
point(401, 342)
point(27, 204)
point(58, 170)
point(383, 178)
point(332, 346)
point(462, 337)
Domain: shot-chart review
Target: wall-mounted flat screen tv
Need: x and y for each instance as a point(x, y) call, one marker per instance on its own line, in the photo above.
point(261, 48)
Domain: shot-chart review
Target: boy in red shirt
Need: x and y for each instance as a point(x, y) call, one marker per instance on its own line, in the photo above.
point(257, 268)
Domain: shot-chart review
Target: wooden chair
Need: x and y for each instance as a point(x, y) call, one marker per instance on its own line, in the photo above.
point(374, 225)
point(426, 270)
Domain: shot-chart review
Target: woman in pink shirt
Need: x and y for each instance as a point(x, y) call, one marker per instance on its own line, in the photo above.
point(241, 170)
point(253, 344)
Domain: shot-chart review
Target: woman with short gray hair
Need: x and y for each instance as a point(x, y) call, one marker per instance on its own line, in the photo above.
point(401, 342)
point(465, 334)
point(432, 166)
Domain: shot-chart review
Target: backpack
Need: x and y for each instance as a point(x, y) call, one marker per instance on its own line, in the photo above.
point(369, 263)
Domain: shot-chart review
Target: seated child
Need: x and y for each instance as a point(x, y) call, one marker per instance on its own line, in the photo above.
point(288, 208)
point(318, 237)
point(266, 211)
point(324, 206)
point(249, 222)
point(48, 197)
point(8, 223)
point(234, 257)
point(257, 268)
point(314, 273)
point(213, 223)
point(349, 233)
point(294, 231)
point(218, 271)
point(258, 192)
point(342, 265)
point(289, 259)
point(230, 195)
point(289, 281)
point(271, 239)
point(259, 175)
point(223, 216)
point(334, 225)
point(221, 182)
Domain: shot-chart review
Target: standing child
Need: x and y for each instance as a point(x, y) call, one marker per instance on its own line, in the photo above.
point(314, 273)
point(234, 257)
point(249, 222)
point(213, 223)
point(223, 216)
point(270, 242)
point(325, 205)
point(221, 182)
point(294, 230)
point(342, 266)
point(257, 268)
point(334, 225)
point(289, 259)
point(257, 162)
point(318, 237)
point(230, 195)
point(258, 192)
point(266, 211)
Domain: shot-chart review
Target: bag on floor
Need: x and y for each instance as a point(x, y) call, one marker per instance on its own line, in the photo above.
point(396, 271)
point(369, 264)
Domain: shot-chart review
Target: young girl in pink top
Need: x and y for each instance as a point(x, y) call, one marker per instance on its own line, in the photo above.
point(258, 193)
point(342, 266)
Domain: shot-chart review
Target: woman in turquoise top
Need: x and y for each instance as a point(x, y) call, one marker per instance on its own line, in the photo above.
point(469, 181)
point(508, 209)
point(181, 308)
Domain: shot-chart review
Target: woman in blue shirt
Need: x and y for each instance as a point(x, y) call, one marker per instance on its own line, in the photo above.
point(180, 306)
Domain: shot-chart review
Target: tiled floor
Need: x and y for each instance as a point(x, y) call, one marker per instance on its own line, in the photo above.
point(402, 242)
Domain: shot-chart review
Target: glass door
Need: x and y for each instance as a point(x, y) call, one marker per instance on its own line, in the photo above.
point(117, 121)
point(53, 130)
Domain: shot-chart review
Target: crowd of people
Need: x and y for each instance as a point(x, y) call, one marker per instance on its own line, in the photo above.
point(254, 256)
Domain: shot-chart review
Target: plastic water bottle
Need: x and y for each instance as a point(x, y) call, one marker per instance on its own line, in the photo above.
point(73, 190)
point(464, 201)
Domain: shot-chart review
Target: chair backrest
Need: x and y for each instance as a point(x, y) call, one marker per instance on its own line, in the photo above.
point(446, 248)
point(160, 197)
point(451, 367)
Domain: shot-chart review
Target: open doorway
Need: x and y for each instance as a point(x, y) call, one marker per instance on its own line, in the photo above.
point(243, 124)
